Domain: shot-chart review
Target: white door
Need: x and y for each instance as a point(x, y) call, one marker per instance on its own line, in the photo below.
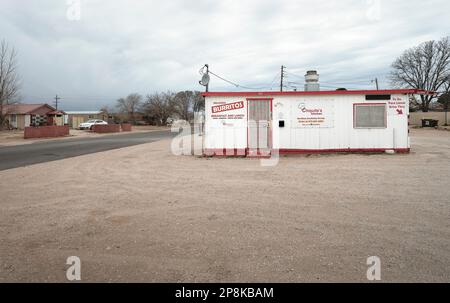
point(27, 120)
point(259, 128)
point(13, 120)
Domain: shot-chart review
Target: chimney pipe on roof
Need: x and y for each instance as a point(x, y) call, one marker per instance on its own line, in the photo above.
point(312, 81)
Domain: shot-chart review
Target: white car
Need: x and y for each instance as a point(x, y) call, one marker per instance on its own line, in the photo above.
point(88, 124)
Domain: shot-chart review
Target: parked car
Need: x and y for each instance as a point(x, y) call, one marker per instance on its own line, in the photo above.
point(88, 124)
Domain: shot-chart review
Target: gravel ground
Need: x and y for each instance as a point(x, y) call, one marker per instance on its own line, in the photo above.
point(142, 214)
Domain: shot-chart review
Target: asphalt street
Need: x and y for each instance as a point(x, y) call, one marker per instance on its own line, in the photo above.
point(39, 152)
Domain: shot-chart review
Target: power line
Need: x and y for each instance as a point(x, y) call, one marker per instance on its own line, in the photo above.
point(298, 83)
point(289, 73)
point(71, 97)
point(321, 85)
point(341, 82)
point(348, 82)
point(56, 101)
point(239, 85)
point(273, 81)
point(89, 97)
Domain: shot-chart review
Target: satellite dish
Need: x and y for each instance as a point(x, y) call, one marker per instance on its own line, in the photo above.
point(205, 80)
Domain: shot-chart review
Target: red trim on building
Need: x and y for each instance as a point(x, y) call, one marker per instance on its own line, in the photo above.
point(259, 99)
point(318, 93)
point(225, 152)
point(222, 152)
point(348, 150)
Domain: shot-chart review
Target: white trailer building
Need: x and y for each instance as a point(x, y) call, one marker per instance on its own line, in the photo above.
point(262, 123)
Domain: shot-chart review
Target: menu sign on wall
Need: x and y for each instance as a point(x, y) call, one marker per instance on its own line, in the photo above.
point(313, 114)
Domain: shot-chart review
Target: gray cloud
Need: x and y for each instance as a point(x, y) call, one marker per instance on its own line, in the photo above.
point(119, 47)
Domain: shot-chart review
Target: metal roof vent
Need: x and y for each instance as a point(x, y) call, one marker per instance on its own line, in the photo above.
point(312, 81)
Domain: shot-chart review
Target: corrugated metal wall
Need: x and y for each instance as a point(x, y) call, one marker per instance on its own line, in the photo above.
point(341, 134)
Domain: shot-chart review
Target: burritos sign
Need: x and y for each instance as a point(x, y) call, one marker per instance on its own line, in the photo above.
point(228, 111)
point(313, 114)
point(227, 107)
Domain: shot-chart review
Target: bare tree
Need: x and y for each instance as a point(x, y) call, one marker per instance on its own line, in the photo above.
point(9, 80)
point(199, 101)
point(106, 112)
point(159, 107)
point(106, 109)
point(426, 66)
point(446, 86)
point(185, 103)
point(182, 105)
point(129, 106)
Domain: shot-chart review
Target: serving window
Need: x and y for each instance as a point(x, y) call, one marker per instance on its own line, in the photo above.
point(369, 115)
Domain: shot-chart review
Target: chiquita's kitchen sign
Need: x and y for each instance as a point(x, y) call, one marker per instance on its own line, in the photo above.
point(313, 114)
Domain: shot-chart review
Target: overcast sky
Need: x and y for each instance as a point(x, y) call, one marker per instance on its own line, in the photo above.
point(118, 47)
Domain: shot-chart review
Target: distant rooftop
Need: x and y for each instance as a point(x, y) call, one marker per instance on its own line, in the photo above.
point(84, 112)
point(23, 109)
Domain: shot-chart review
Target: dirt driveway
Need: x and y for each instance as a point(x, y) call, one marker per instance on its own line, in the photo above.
point(143, 214)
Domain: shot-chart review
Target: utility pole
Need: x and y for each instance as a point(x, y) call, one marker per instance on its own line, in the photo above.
point(56, 101)
point(207, 72)
point(282, 76)
point(376, 83)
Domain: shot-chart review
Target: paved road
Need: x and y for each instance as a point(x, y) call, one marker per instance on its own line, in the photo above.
point(22, 155)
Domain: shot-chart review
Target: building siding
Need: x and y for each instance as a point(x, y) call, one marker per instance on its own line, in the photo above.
point(339, 134)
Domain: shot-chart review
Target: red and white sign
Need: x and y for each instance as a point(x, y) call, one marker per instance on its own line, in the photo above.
point(397, 106)
point(227, 107)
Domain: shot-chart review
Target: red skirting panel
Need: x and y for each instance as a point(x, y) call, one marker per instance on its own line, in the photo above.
point(220, 152)
point(349, 150)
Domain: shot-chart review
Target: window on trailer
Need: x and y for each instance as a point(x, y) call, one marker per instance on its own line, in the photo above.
point(370, 116)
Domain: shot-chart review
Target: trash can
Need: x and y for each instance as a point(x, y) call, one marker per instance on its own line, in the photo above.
point(430, 123)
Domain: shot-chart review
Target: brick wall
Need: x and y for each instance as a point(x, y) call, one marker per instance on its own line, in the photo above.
point(110, 128)
point(126, 127)
point(46, 131)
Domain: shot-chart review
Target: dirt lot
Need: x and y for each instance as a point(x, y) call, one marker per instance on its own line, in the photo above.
point(15, 137)
point(142, 214)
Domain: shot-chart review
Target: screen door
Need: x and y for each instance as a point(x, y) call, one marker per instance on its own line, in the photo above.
point(259, 128)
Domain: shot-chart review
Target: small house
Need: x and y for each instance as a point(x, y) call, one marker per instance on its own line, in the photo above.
point(20, 116)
